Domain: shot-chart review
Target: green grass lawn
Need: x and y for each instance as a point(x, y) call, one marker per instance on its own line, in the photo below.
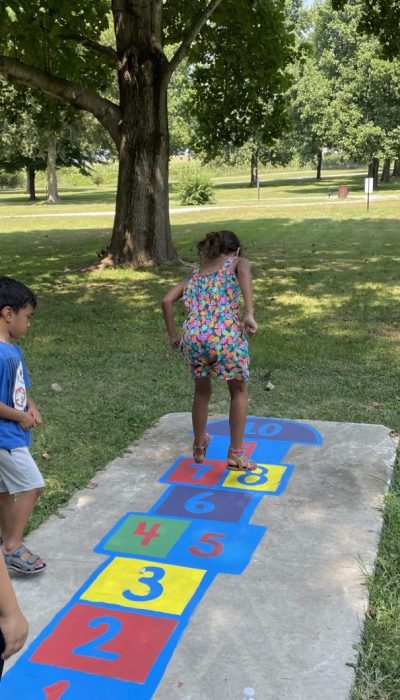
point(275, 189)
point(326, 285)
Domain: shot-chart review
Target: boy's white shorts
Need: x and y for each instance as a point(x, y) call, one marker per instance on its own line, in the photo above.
point(18, 471)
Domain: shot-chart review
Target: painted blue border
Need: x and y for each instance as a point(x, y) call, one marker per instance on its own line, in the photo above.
point(121, 690)
point(283, 421)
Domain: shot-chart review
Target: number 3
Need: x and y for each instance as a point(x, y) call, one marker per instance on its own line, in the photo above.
point(155, 588)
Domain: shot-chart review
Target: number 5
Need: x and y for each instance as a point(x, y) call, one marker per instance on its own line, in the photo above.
point(209, 538)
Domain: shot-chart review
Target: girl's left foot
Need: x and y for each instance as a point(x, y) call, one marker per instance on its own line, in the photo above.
point(238, 461)
point(200, 451)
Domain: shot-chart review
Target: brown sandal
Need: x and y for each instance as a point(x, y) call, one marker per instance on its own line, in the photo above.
point(238, 461)
point(200, 451)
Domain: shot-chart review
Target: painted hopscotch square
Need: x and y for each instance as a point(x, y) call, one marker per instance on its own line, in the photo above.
point(186, 471)
point(216, 504)
point(217, 546)
point(145, 585)
point(105, 642)
point(143, 535)
point(266, 479)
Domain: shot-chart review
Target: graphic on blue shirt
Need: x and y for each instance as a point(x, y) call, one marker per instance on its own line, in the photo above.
point(14, 381)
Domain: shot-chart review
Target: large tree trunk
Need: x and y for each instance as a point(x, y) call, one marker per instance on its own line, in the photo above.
point(138, 126)
point(319, 164)
point(141, 233)
point(396, 168)
point(30, 182)
point(52, 186)
point(254, 169)
point(385, 176)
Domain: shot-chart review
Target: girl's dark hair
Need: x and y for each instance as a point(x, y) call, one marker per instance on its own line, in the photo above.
point(218, 243)
point(15, 294)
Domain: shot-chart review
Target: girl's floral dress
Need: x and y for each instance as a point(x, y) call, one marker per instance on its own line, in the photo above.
point(213, 341)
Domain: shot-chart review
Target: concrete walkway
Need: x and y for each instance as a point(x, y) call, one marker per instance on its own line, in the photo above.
point(280, 203)
point(217, 581)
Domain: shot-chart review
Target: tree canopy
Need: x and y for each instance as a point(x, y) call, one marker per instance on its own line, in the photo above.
point(380, 18)
point(240, 50)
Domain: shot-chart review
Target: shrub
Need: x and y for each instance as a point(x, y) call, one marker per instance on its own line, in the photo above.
point(195, 188)
point(10, 181)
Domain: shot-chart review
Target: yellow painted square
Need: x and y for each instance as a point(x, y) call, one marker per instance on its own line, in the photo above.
point(168, 588)
point(266, 478)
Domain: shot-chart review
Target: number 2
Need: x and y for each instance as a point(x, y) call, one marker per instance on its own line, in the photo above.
point(93, 648)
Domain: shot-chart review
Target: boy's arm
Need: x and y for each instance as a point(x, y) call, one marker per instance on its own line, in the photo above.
point(243, 272)
point(25, 419)
point(167, 306)
point(13, 624)
point(34, 411)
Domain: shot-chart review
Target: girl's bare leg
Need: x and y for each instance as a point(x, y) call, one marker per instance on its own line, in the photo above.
point(202, 394)
point(238, 411)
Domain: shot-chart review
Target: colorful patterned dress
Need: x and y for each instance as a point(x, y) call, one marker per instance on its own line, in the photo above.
point(213, 341)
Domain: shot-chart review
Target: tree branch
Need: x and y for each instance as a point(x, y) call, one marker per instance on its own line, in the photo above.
point(107, 51)
point(191, 34)
point(80, 97)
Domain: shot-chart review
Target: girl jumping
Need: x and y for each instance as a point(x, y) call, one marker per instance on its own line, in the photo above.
point(213, 341)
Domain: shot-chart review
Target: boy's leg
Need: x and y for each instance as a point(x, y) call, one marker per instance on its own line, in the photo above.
point(238, 411)
point(15, 511)
point(20, 486)
point(202, 394)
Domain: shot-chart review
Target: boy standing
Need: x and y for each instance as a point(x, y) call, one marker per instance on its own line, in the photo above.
point(21, 482)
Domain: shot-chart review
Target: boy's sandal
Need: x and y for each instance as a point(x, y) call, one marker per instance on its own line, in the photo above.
point(15, 562)
point(200, 451)
point(238, 461)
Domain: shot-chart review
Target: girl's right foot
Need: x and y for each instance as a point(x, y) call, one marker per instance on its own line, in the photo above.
point(238, 461)
point(200, 451)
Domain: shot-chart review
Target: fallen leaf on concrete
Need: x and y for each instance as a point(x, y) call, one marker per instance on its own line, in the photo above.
point(56, 387)
point(91, 485)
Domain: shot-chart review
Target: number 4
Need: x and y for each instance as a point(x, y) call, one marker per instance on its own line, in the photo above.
point(147, 536)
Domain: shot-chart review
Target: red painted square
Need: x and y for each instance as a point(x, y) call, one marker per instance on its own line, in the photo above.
point(249, 448)
point(208, 473)
point(106, 642)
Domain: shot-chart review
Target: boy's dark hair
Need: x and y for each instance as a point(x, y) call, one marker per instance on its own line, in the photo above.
point(218, 243)
point(15, 294)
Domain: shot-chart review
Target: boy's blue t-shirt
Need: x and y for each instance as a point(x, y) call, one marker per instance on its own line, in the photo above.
point(14, 381)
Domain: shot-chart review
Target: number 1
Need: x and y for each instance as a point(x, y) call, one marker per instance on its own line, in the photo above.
point(56, 691)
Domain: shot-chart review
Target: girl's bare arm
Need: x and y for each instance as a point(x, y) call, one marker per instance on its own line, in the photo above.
point(243, 272)
point(167, 306)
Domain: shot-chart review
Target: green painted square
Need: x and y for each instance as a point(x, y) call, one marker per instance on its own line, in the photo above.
point(146, 535)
